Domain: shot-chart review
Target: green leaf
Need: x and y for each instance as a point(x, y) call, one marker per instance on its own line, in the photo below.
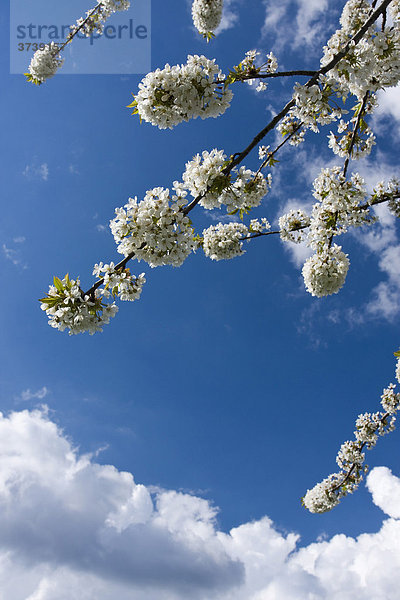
point(58, 284)
point(31, 79)
point(209, 35)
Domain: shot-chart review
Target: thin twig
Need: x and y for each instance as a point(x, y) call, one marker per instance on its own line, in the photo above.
point(271, 154)
point(121, 265)
point(70, 36)
point(351, 146)
point(355, 131)
point(354, 465)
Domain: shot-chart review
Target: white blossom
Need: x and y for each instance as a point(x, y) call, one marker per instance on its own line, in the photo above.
point(241, 189)
point(292, 226)
point(259, 225)
point(292, 127)
point(222, 241)
point(350, 454)
point(341, 145)
point(312, 106)
point(321, 498)
point(272, 63)
point(262, 152)
point(262, 86)
point(394, 9)
point(206, 15)
point(171, 95)
point(67, 307)
point(390, 400)
point(338, 206)
point(204, 172)
point(116, 5)
point(371, 64)
point(95, 18)
point(246, 191)
point(45, 62)
point(368, 427)
point(119, 282)
point(325, 272)
point(155, 229)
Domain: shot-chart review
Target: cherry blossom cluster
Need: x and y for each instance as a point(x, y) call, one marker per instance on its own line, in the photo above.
point(44, 64)
point(313, 106)
point(175, 94)
point(394, 9)
point(338, 206)
point(156, 230)
point(119, 282)
point(259, 225)
point(67, 307)
point(206, 15)
point(95, 18)
point(340, 144)
point(241, 189)
point(327, 494)
point(371, 64)
point(325, 272)
point(291, 127)
point(251, 69)
point(390, 192)
point(224, 241)
point(292, 226)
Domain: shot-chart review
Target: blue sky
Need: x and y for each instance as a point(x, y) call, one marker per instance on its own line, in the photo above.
point(226, 385)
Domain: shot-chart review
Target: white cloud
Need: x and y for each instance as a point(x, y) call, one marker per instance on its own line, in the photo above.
point(72, 528)
point(385, 490)
point(389, 103)
point(229, 17)
point(38, 395)
point(382, 240)
point(299, 22)
point(35, 171)
point(14, 254)
point(11, 255)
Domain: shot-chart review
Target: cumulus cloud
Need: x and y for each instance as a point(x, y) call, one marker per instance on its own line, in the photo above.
point(299, 22)
point(72, 528)
point(389, 103)
point(63, 511)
